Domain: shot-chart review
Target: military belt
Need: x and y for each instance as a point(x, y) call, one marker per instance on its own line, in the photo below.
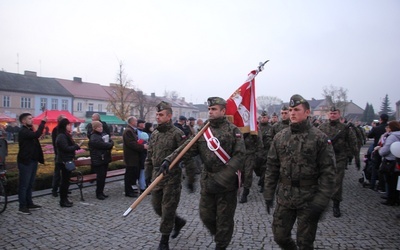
point(298, 183)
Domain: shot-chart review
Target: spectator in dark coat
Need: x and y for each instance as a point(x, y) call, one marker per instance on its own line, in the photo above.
point(29, 155)
point(57, 167)
point(376, 133)
point(100, 146)
point(132, 151)
point(66, 148)
point(96, 117)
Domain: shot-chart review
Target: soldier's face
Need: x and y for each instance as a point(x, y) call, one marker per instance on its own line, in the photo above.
point(285, 114)
point(334, 115)
point(298, 114)
point(215, 112)
point(264, 119)
point(163, 117)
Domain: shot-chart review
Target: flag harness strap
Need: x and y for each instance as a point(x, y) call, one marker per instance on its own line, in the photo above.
point(215, 146)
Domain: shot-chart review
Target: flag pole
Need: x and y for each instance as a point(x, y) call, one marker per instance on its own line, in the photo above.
point(161, 176)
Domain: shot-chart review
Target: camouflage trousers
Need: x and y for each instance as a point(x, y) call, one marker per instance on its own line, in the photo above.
point(165, 202)
point(217, 212)
point(340, 169)
point(247, 175)
point(190, 170)
point(282, 225)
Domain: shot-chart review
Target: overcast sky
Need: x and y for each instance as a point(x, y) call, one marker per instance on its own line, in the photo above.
point(207, 48)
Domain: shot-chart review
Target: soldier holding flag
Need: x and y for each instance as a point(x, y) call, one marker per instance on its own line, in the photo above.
point(222, 150)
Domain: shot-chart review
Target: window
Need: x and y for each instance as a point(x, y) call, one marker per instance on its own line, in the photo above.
point(43, 103)
point(64, 105)
point(6, 101)
point(79, 106)
point(90, 107)
point(100, 108)
point(25, 102)
point(54, 104)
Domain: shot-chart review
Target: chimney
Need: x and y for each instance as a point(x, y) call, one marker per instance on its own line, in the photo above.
point(30, 73)
point(153, 95)
point(77, 79)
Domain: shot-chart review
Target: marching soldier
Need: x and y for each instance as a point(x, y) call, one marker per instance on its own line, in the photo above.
point(254, 153)
point(166, 195)
point(301, 167)
point(343, 140)
point(222, 151)
point(277, 127)
point(263, 127)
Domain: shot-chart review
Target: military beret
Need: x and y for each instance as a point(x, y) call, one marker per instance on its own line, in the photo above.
point(264, 113)
point(141, 121)
point(284, 107)
point(216, 101)
point(333, 109)
point(182, 118)
point(274, 114)
point(192, 118)
point(297, 100)
point(163, 106)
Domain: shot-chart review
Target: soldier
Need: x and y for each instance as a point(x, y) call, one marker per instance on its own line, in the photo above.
point(301, 166)
point(222, 150)
point(263, 128)
point(343, 140)
point(277, 127)
point(166, 195)
point(254, 153)
point(274, 118)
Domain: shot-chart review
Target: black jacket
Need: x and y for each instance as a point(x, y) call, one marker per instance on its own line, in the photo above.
point(65, 148)
point(377, 132)
point(100, 151)
point(54, 134)
point(29, 146)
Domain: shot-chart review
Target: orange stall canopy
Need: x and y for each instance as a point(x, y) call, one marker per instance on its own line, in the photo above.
point(52, 116)
point(6, 118)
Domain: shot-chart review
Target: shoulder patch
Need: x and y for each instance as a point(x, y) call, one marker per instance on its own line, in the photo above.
point(329, 142)
point(238, 135)
point(183, 137)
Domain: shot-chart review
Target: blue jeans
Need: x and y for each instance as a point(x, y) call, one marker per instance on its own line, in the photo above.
point(142, 181)
point(27, 174)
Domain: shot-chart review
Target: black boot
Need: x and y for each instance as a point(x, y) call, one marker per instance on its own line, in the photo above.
point(261, 185)
point(179, 223)
point(65, 203)
point(164, 243)
point(336, 209)
point(243, 198)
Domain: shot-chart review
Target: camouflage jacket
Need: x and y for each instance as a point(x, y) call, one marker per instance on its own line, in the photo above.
point(276, 128)
point(345, 143)
point(301, 165)
point(263, 129)
point(254, 147)
point(163, 141)
point(231, 140)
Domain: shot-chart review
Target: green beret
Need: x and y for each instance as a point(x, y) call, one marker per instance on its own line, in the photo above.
point(297, 100)
point(216, 101)
point(274, 114)
point(264, 113)
point(163, 106)
point(284, 107)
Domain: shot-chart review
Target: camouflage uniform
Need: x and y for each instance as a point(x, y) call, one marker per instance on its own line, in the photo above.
point(259, 169)
point(276, 128)
point(166, 195)
point(254, 151)
point(219, 182)
point(342, 144)
point(301, 166)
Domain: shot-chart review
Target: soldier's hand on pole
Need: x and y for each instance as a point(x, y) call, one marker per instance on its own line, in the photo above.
point(269, 204)
point(164, 168)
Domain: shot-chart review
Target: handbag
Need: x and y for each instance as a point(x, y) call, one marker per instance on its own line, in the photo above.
point(70, 165)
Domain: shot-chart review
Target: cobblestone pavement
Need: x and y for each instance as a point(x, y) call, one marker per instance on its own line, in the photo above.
point(95, 224)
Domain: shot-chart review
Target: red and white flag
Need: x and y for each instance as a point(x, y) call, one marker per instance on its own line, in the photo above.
point(241, 105)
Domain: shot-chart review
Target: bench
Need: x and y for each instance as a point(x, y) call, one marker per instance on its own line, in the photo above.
point(79, 179)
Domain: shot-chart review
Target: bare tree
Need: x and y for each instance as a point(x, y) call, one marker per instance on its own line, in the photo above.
point(171, 94)
point(144, 104)
point(122, 95)
point(266, 102)
point(336, 96)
